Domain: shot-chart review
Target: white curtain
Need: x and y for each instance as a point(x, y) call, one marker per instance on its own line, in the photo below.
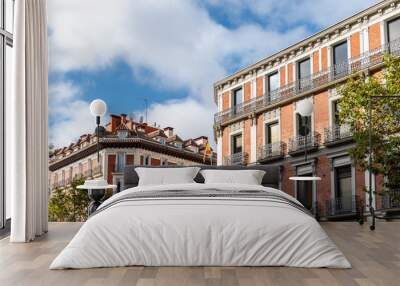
point(27, 119)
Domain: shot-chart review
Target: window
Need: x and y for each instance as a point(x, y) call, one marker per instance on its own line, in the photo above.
point(237, 144)
point(304, 72)
point(120, 162)
point(340, 59)
point(303, 124)
point(393, 30)
point(237, 98)
point(147, 161)
point(6, 40)
point(272, 133)
point(272, 85)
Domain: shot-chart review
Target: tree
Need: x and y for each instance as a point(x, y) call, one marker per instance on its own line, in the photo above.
point(69, 204)
point(385, 126)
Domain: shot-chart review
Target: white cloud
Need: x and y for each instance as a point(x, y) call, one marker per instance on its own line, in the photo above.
point(188, 117)
point(176, 41)
point(68, 113)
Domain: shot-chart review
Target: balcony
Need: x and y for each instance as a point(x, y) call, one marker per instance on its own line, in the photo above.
point(271, 152)
point(337, 135)
point(236, 159)
point(297, 144)
point(313, 83)
point(344, 208)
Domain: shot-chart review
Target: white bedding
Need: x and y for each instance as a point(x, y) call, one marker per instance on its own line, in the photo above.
point(188, 231)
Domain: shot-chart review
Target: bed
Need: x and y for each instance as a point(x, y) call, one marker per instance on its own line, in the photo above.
point(198, 224)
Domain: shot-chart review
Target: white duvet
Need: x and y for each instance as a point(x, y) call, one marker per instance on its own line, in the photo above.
point(203, 231)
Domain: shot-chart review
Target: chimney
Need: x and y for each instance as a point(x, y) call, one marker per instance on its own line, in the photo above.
point(123, 117)
point(115, 122)
point(169, 131)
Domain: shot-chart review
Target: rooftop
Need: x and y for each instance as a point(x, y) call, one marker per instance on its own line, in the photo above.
point(129, 133)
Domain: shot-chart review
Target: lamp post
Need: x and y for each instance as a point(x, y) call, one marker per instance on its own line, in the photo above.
point(98, 108)
point(305, 108)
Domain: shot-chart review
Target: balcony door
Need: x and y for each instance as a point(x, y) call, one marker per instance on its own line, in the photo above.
point(340, 59)
point(272, 86)
point(343, 189)
point(237, 99)
point(272, 137)
point(304, 74)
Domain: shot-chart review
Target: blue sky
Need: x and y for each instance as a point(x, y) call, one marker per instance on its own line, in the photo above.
point(168, 52)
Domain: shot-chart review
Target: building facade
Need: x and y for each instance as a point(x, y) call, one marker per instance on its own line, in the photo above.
point(124, 142)
point(257, 121)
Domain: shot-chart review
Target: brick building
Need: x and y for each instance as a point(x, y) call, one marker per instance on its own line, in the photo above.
point(257, 122)
point(123, 142)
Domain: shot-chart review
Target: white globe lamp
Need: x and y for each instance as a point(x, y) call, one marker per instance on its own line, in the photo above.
point(98, 108)
point(305, 107)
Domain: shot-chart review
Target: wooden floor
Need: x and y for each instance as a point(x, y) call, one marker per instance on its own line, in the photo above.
point(375, 257)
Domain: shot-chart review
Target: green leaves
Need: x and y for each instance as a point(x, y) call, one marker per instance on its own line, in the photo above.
point(69, 204)
point(354, 108)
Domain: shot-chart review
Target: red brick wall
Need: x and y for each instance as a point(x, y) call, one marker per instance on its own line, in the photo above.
point(323, 192)
point(259, 132)
point(247, 137)
point(321, 113)
point(225, 100)
point(374, 32)
point(290, 73)
point(288, 185)
point(111, 167)
point(247, 91)
point(283, 75)
point(129, 159)
point(315, 56)
point(286, 123)
point(324, 58)
point(259, 86)
point(355, 44)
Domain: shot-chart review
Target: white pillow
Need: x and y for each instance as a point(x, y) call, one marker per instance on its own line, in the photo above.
point(248, 177)
point(166, 176)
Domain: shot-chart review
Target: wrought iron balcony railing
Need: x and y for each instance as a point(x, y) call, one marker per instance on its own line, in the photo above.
point(236, 159)
point(337, 134)
point(314, 81)
point(299, 143)
point(389, 200)
point(271, 151)
point(343, 206)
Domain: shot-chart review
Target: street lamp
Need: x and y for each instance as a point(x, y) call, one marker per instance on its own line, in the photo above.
point(98, 108)
point(305, 108)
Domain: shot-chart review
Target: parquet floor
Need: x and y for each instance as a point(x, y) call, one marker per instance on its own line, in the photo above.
point(375, 257)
